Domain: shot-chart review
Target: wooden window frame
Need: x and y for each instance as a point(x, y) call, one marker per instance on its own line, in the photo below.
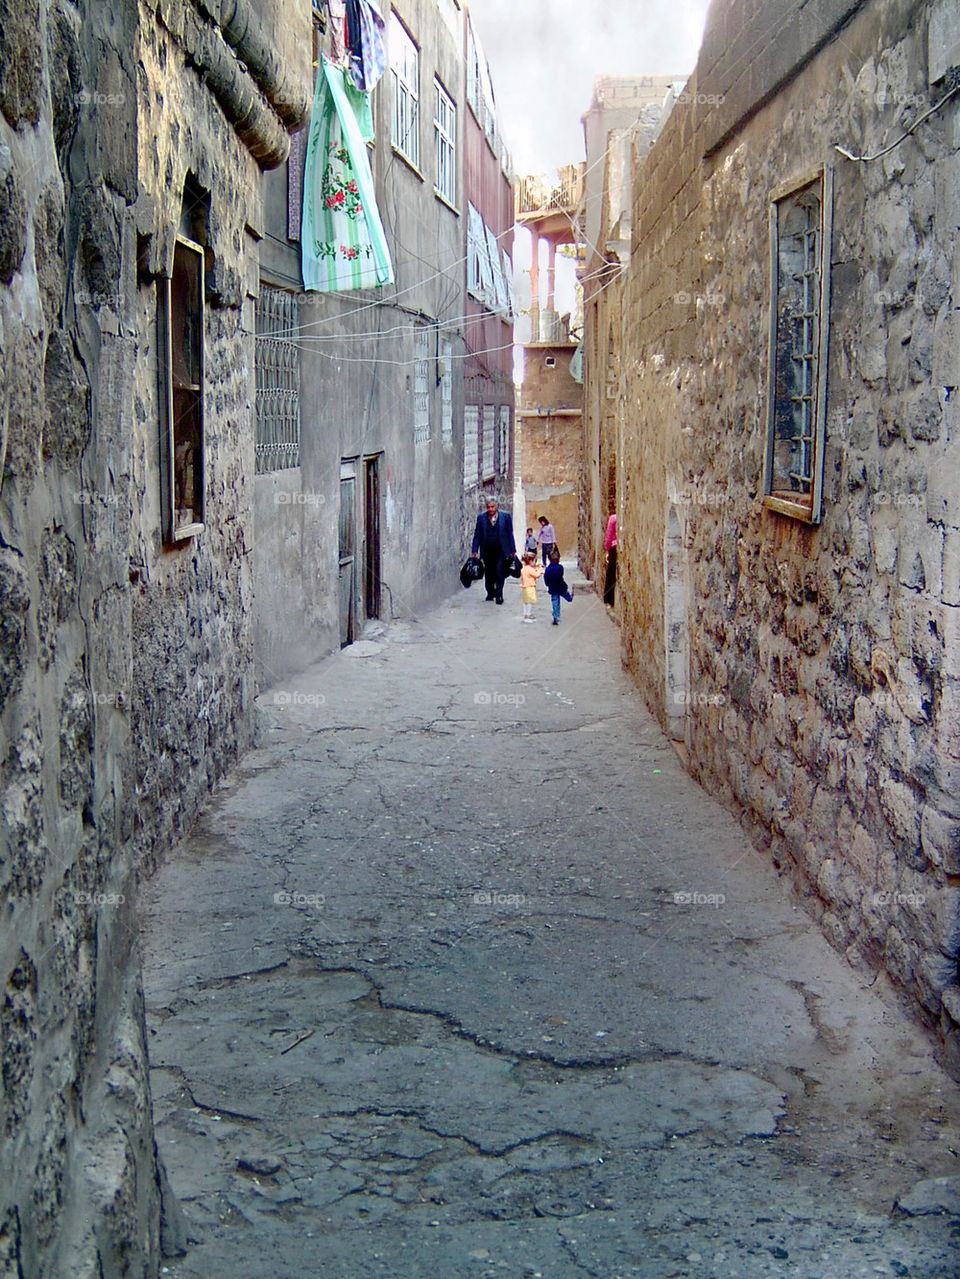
point(805, 506)
point(181, 391)
point(406, 93)
point(445, 143)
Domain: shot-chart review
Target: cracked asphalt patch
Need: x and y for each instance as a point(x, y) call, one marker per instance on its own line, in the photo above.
point(460, 973)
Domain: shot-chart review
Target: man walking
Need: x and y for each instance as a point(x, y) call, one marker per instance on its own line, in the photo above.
point(493, 542)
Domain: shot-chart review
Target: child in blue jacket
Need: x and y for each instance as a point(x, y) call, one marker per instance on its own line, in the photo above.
point(556, 586)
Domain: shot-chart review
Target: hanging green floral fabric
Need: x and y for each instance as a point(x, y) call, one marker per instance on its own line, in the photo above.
point(342, 240)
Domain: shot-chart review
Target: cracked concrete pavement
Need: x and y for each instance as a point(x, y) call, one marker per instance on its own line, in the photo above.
point(459, 973)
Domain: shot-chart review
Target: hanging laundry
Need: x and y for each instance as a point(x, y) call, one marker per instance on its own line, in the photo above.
point(342, 240)
point(338, 52)
point(368, 57)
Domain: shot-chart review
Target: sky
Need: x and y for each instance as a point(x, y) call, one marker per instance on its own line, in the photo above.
point(544, 56)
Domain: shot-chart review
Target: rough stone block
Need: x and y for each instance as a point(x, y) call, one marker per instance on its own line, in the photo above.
point(13, 219)
point(921, 557)
point(885, 546)
point(862, 855)
point(900, 956)
point(948, 720)
point(951, 580)
point(940, 839)
point(899, 805)
point(933, 973)
point(21, 62)
point(946, 334)
point(943, 491)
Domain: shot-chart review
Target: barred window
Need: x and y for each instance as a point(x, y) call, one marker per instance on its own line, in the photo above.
point(488, 416)
point(405, 74)
point(277, 360)
point(421, 385)
point(503, 439)
point(446, 395)
point(471, 445)
point(445, 138)
point(800, 225)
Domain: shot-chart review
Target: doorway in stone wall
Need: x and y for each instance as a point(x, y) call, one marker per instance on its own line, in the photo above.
point(348, 553)
point(675, 629)
point(371, 538)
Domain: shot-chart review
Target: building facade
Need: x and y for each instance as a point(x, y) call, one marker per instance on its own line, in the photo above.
point(550, 397)
point(358, 493)
point(619, 128)
point(788, 461)
point(488, 311)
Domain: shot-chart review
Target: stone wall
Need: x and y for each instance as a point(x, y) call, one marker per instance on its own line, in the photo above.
point(79, 1190)
point(124, 665)
point(811, 669)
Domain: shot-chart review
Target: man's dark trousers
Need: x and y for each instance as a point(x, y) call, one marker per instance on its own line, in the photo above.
point(494, 570)
point(494, 544)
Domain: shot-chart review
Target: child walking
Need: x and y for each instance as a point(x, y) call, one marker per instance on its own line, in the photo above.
point(528, 581)
point(555, 584)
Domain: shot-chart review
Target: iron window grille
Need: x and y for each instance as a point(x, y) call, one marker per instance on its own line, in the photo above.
point(488, 424)
point(405, 74)
point(446, 395)
point(503, 438)
point(800, 237)
point(471, 445)
point(421, 385)
point(277, 364)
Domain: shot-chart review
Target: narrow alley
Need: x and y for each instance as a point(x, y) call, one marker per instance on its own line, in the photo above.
point(461, 974)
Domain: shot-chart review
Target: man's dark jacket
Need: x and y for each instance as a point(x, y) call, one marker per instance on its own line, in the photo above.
point(504, 534)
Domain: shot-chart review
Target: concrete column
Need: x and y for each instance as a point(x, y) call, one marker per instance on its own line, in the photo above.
point(535, 287)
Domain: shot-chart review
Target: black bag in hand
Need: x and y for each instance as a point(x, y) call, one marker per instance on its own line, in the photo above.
point(472, 571)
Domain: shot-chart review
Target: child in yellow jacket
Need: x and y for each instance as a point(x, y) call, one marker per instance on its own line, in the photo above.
point(528, 583)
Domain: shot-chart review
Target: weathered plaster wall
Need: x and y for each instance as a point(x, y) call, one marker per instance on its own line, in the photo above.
point(357, 370)
point(822, 683)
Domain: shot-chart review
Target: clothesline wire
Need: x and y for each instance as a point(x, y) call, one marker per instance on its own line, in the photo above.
point(333, 293)
point(292, 332)
point(376, 359)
